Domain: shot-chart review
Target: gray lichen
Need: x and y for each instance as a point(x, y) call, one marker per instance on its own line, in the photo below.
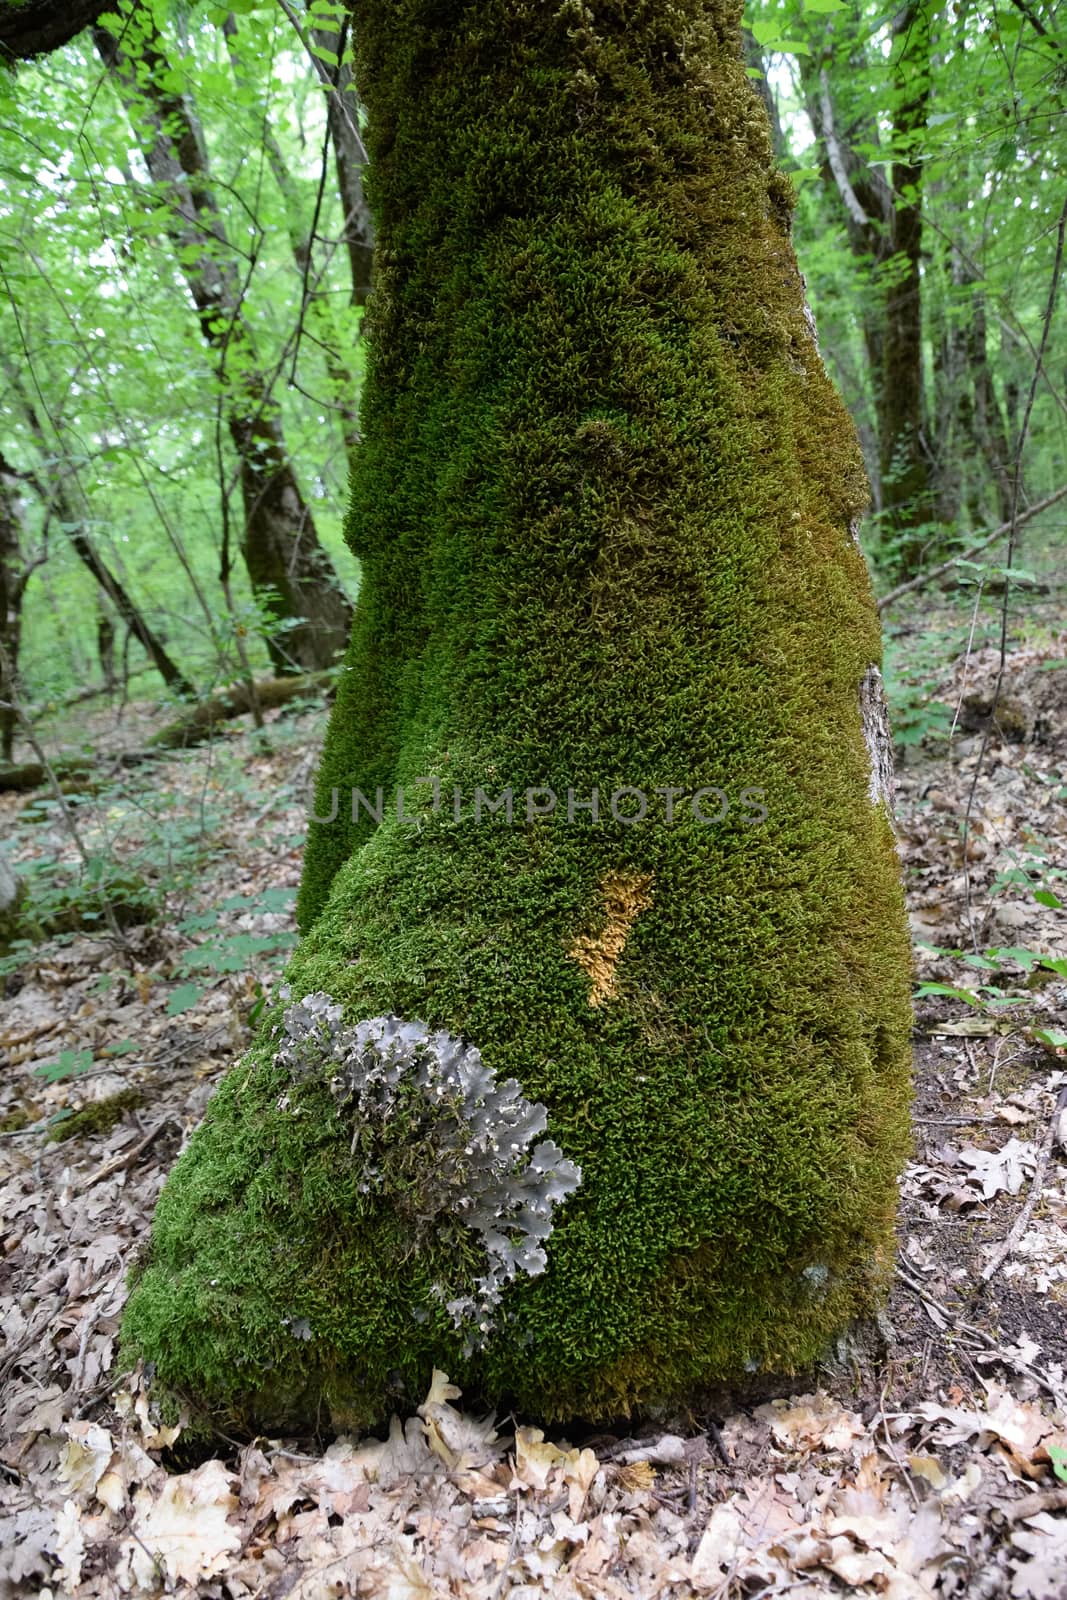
point(436, 1134)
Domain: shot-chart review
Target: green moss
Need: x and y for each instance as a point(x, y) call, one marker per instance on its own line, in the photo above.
point(602, 511)
point(99, 1116)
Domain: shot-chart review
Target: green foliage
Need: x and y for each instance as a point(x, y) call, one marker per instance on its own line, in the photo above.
point(601, 508)
point(991, 160)
point(68, 1064)
point(96, 318)
point(231, 950)
point(61, 899)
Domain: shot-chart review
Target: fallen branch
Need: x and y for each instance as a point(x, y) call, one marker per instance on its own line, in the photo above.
point(191, 728)
point(972, 549)
point(196, 724)
point(126, 1158)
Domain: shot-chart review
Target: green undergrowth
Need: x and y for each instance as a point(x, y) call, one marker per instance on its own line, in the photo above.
point(98, 1117)
point(602, 508)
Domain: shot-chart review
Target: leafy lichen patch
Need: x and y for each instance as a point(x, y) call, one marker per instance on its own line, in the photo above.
point(446, 1145)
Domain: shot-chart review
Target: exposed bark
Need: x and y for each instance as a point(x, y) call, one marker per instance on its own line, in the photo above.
point(286, 563)
point(884, 226)
point(755, 63)
point(36, 27)
point(867, 204)
point(180, 734)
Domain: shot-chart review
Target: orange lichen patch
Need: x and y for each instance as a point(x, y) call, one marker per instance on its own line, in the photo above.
point(624, 895)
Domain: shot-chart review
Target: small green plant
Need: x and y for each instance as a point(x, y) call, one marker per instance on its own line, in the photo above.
point(915, 711)
point(68, 1064)
point(61, 899)
point(232, 950)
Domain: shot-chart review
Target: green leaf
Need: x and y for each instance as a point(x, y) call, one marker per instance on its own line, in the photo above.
point(183, 998)
point(822, 6)
point(1057, 1454)
point(1045, 897)
point(967, 995)
point(71, 1064)
point(1022, 957)
point(1054, 1038)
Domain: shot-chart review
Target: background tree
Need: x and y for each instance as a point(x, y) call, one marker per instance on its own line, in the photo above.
point(96, 313)
point(279, 544)
point(606, 506)
point(936, 157)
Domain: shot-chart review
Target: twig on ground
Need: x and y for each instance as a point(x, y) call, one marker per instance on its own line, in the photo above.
point(498, 1587)
point(970, 550)
point(920, 1289)
point(1032, 1504)
point(1018, 1227)
point(127, 1157)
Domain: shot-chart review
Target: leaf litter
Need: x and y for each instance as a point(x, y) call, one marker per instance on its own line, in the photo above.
point(932, 1465)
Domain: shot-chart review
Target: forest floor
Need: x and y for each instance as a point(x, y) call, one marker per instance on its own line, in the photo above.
point(934, 1467)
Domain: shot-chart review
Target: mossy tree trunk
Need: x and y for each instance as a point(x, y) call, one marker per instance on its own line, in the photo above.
point(605, 507)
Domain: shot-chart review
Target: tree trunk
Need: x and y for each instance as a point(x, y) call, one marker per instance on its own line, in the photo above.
point(884, 224)
point(317, 309)
point(36, 27)
point(989, 428)
point(605, 506)
point(57, 501)
point(905, 466)
point(288, 568)
point(349, 159)
point(13, 576)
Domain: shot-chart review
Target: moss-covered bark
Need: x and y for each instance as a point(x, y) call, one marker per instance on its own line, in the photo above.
point(603, 509)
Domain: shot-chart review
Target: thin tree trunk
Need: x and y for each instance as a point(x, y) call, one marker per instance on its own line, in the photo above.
point(57, 500)
point(317, 307)
point(905, 464)
point(350, 158)
point(287, 566)
point(989, 427)
point(13, 577)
